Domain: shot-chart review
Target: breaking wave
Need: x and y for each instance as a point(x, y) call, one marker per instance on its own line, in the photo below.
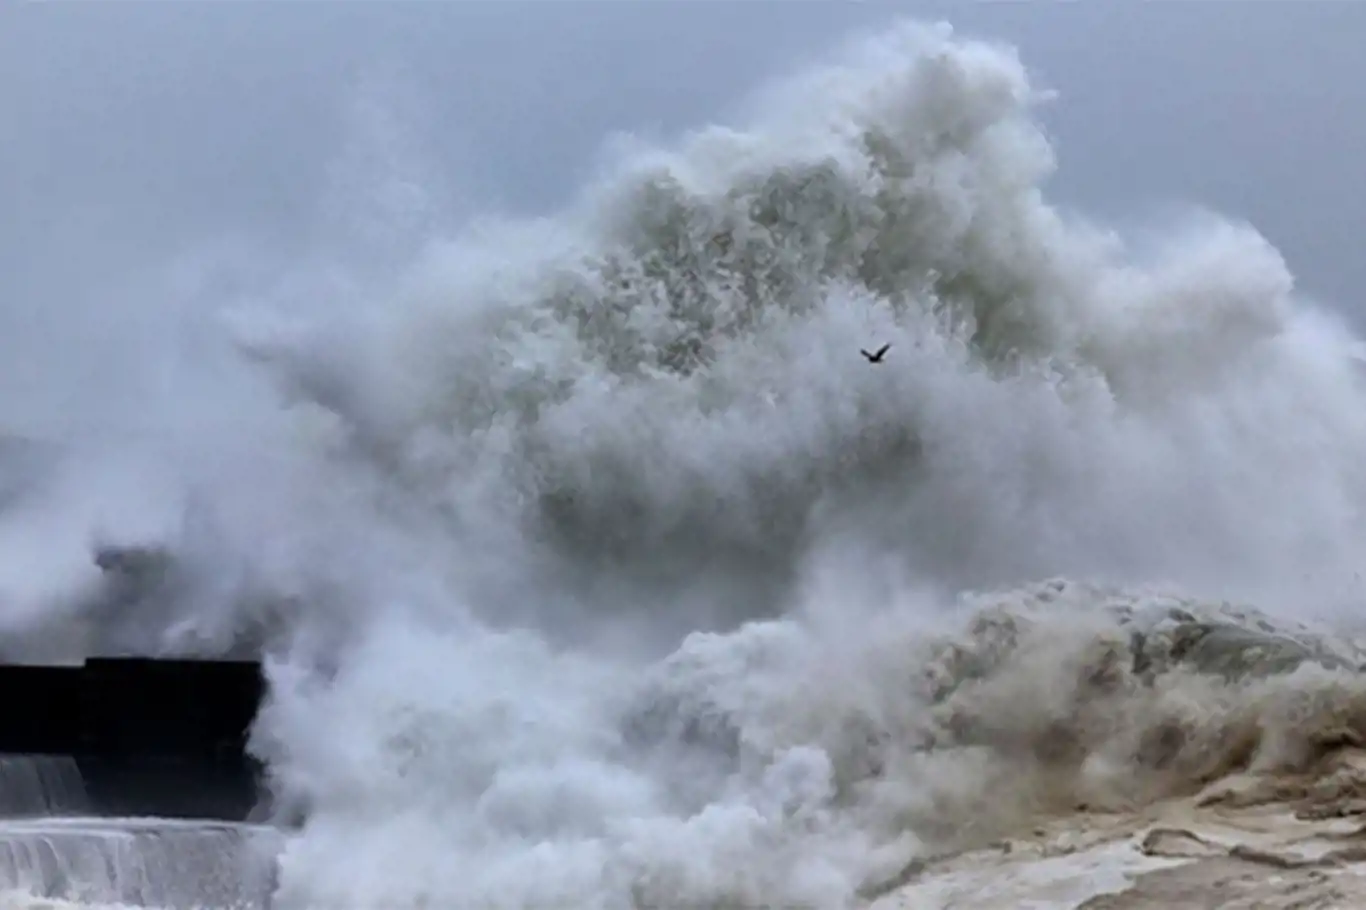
point(597, 568)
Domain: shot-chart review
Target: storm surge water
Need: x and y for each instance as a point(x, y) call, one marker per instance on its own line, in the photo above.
point(596, 567)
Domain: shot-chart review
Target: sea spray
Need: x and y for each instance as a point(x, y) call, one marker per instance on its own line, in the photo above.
point(600, 570)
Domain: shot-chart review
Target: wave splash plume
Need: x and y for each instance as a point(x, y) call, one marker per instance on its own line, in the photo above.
point(596, 568)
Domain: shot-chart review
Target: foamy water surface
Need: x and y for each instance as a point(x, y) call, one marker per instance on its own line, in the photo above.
point(596, 568)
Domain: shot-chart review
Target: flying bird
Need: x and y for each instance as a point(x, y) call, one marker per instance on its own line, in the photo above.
point(876, 358)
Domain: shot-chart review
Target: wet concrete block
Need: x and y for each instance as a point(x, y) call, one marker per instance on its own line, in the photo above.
point(150, 737)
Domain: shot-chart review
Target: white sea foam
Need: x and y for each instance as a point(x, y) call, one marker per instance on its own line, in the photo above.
point(505, 492)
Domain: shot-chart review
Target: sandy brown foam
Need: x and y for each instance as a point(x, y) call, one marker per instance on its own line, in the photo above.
point(1157, 750)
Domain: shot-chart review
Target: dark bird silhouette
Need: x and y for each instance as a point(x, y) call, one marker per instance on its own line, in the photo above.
point(876, 358)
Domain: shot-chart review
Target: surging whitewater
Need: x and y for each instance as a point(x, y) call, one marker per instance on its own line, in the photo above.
point(596, 568)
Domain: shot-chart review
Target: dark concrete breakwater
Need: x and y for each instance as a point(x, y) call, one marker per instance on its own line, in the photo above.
point(163, 738)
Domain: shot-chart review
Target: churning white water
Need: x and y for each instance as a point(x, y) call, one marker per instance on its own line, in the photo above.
point(596, 568)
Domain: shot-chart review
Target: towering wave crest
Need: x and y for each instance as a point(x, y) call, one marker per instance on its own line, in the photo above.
point(666, 376)
point(556, 449)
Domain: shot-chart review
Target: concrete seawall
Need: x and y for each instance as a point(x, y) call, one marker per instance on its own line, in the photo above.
point(150, 737)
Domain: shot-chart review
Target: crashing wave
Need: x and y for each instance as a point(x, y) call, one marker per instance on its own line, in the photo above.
point(559, 448)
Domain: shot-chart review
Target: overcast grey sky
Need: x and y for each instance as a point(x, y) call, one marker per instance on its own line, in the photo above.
point(136, 132)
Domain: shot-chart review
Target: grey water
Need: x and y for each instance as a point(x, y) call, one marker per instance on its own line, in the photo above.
point(52, 847)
